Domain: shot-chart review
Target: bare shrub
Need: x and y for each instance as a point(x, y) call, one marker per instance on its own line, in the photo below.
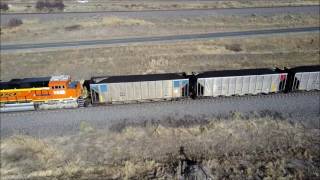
point(14, 22)
point(234, 47)
point(72, 27)
point(50, 5)
point(4, 6)
point(40, 5)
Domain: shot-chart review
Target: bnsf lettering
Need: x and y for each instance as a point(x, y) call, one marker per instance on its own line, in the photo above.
point(8, 94)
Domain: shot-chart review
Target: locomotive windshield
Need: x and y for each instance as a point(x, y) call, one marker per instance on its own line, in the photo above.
point(73, 84)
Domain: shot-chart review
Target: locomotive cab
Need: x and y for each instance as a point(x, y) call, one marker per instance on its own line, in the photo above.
point(64, 87)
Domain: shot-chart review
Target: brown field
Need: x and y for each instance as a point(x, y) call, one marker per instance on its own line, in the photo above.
point(261, 51)
point(103, 5)
point(237, 148)
point(71, 29)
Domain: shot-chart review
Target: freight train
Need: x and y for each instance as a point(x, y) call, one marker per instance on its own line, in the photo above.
point(62, 92)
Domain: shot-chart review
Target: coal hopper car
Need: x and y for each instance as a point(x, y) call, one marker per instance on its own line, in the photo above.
point(240, 82)
point(303, 78)
point(133, 88)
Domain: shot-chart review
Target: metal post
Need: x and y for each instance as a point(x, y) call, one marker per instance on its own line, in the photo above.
point(262, 83)
point(162, 94)
point(300, 79)
point(212, 81)
point(155, 90)
point(249, 84)
point(255, 84)
point(242, 84)
point(197, 87)
point(180, 86)
point(148, 84)
point(204, 89)
point(235, 87)
point(91, 95)
point(285, 83)
point(134, 90)
point(228, 86)
point(318, 81)
point(309, 74)
point(187, 88)
point(294, 83)
point(126, 91)
point(109, 85)
point(271, 80)
point(172, 89)
point(221, 79)
point(140, 90)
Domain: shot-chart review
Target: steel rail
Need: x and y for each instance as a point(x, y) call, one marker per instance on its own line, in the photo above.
point(8, 47)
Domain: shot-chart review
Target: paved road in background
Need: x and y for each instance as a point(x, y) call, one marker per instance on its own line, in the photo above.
point(296, 107)
point(151, 14)
point(11, 47)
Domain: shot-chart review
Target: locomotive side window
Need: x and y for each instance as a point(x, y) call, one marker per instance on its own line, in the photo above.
point(58, 87)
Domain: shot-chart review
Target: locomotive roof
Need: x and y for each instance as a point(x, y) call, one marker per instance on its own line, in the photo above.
point(25, 83)
point(242, 72)
point(60, 78)
point(136, 78)
point(306, 68)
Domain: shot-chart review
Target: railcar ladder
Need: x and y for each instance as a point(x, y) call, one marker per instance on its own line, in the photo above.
point(81, 102)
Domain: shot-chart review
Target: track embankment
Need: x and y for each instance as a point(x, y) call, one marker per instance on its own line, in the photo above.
point(301, 107)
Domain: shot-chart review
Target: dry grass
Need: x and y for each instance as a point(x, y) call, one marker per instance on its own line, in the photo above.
point(102, 5)
point(269, 51)
point(112, 21)
point(35, 30)
point(26, 154)
point(253, 21)
point(234, 148)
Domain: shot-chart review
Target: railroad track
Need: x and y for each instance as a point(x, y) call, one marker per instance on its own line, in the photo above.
point(157, 10)
point(300, 107)
point(72, 44)
point(182, 101)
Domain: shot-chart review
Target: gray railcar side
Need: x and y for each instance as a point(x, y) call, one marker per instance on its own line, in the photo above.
point(228, 83)
point(306, 81)
point(144, 87)
point(304, 78)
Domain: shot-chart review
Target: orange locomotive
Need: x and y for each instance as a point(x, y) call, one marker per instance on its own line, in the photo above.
point(40, 91)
